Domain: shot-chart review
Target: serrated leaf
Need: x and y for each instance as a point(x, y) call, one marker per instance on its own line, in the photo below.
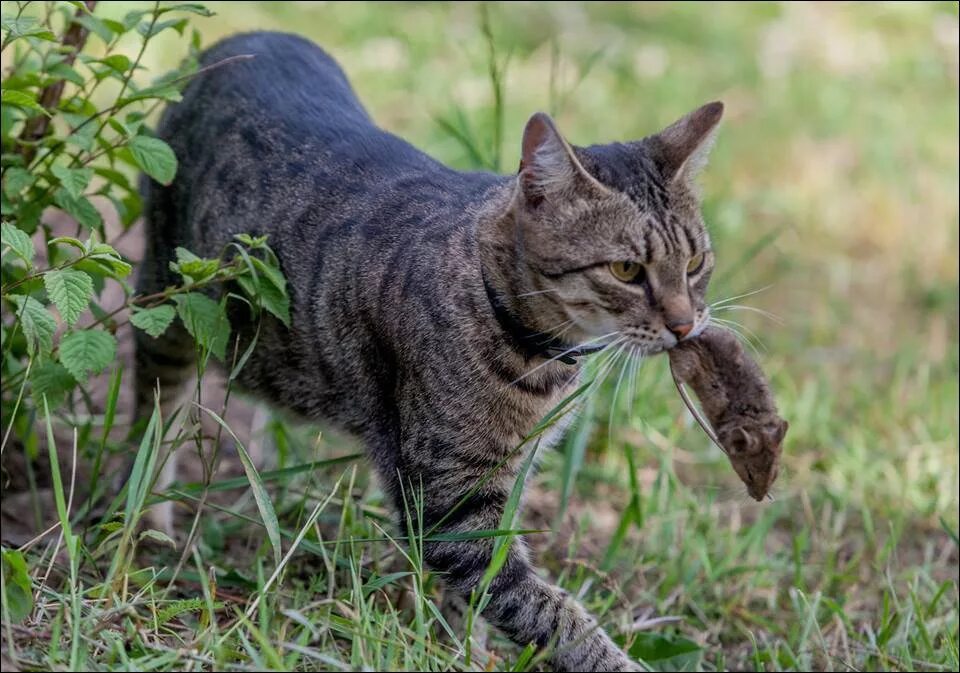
point(70, 290)
point(80, 208)
point(87, 351)
point(155, 158)
point(21, 99)
point(18, 241)
point(18, 592)
point(205, 321)
point(74, 180)
point(153, 321)
point(26, 26)
point(51, 379)
point(36, 322)
point(15, 180)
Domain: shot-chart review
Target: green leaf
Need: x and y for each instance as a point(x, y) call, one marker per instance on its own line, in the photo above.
point(53, 380)
point(18, 241)
point(37, 323)
point(205, 321)
point(18, 593)
point(69, 240)
point(148, 30)
point(21, 99)
point(153, 321)
point(64, 71)
point(118, 63)
point(270, 291)
point(15, 180)
point(80, 208)
point(74, 180)
point(155, 158)
point(26, 26)
point(666, 653)
point(194, 268)
point(158, 536)
point(87, 351)
point(132, 18)
point(97, 26)
point(167, 92)
point(70, 290)
point(186, 7)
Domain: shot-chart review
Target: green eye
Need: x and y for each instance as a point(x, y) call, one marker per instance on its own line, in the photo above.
point(695, 263)
point(626, 271)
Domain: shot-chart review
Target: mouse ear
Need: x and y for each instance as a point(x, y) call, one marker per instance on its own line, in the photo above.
point(741, 442)
point(780, 431)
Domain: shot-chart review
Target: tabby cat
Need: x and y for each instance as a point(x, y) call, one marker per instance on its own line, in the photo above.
point(436, 314)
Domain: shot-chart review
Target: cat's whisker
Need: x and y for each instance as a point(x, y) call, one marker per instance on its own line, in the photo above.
point(636, 359)
point(624, 365)
point(535, 292)
point(727, 300)
point(549, 332)
point(604, 369)
point(740, 307)
point(743, 327)
point(557, 357)
point(732, 328)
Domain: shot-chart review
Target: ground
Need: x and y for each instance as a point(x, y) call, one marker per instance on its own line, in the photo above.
point(831, 194)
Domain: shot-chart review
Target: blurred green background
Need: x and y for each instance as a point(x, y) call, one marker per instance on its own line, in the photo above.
point(833, 187)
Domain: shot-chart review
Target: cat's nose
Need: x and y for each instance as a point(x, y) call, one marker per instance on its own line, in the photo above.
point(680, 329)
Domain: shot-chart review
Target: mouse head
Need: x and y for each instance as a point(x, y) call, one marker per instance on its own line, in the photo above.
point(754, 448)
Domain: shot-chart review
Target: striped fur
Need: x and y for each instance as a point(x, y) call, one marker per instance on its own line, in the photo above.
point(393, 334)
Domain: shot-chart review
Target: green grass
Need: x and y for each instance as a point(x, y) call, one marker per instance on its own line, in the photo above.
point(834, 182)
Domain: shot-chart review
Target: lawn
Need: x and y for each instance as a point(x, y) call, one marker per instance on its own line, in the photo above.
point(832, 200)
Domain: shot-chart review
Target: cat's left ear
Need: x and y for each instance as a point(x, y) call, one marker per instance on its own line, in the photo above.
point(549, 169)
point(681, 149)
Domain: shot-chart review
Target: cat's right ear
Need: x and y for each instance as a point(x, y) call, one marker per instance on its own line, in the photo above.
point(548, 167)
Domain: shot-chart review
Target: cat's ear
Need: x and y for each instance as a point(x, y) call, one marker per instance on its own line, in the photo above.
point(681, 149)
point(548, 166)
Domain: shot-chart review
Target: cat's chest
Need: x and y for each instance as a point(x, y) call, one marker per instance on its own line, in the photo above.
point(514, 415)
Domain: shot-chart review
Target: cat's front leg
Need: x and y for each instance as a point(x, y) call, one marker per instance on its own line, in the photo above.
point(522, 605)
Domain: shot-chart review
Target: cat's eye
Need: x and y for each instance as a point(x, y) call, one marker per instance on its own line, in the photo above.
point(626, 271)
point(695, 263)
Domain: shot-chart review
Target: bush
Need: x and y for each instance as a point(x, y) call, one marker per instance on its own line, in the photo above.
point(66, 146)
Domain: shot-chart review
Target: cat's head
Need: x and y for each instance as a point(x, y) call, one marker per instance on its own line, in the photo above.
point(607, 241)
point(754, 447)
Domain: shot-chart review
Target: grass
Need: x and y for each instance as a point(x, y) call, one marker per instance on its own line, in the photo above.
point(834, 183)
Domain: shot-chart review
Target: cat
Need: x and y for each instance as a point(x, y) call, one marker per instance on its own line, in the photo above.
point(737, 401)
point(426, 302)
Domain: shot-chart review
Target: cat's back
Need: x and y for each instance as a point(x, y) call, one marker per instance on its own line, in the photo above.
point(277, 104)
